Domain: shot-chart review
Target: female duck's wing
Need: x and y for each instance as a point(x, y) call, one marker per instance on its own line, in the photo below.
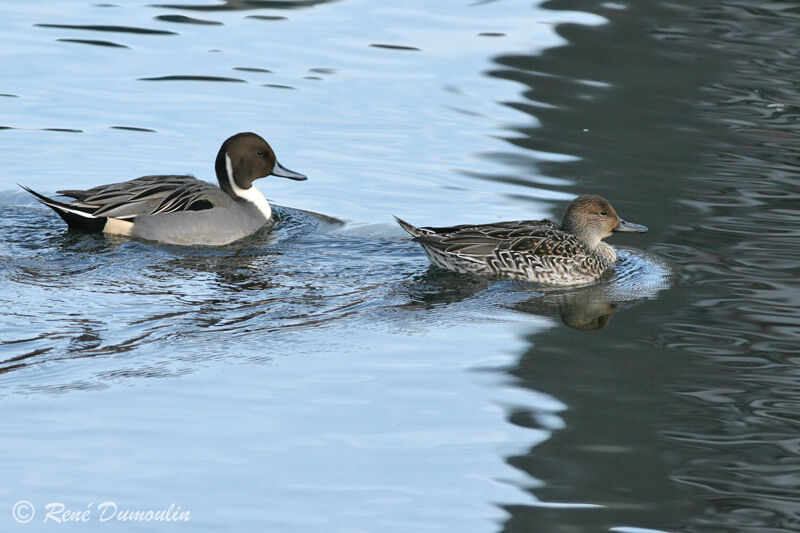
point(482, 242)
point(148, 195)
point(501, 230)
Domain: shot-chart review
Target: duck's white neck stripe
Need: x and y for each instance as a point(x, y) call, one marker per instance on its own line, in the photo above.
point(252, 194)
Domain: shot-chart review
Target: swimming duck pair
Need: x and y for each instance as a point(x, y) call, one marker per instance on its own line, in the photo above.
point(184, 210)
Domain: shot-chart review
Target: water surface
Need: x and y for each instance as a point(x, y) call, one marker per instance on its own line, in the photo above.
point(319, 376)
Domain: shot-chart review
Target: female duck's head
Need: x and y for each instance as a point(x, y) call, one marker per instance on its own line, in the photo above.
point(592, 219)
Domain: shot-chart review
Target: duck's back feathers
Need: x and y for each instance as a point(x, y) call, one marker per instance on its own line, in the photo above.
point(149, 195)
point(145, 196)
point(502, 230)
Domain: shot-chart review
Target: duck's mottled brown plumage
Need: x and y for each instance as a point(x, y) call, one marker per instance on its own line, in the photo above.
point(531, 250)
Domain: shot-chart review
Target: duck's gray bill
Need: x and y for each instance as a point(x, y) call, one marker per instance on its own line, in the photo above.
point(283, 172)
point(630, 226)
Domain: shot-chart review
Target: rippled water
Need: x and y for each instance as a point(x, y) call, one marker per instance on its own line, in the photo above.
point(319, 376)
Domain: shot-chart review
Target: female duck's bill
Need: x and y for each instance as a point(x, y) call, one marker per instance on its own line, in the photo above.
point(630, 226)
point(540, 251)
point(182, 209)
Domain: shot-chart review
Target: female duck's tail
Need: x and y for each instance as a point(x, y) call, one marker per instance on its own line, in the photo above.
point(411, 230)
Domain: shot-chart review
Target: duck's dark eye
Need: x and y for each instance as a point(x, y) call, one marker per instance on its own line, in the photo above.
point(603, 213)
point(260, 153)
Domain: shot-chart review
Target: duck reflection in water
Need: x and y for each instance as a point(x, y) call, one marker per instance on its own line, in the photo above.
point(584, 309)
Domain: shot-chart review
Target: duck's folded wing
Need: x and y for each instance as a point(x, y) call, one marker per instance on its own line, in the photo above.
point(465, 243)
point(148, 195)
point(500, 230)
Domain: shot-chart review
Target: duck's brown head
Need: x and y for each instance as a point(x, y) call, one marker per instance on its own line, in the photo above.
point(592, 218)
point(245, 157)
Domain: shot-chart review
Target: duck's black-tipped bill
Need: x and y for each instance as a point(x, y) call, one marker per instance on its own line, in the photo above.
point(630, 226)
point(283, 172)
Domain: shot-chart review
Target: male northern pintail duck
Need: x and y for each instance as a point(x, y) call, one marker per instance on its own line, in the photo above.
point(182, 209)
point(531, 250)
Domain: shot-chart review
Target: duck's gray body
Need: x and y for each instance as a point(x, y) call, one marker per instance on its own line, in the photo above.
point(202, 228)
point(182, 209)
point(539, 251)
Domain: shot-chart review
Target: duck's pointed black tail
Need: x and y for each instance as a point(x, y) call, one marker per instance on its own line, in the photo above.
point(74, 216)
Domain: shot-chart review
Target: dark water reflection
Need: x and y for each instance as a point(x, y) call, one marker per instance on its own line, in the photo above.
point(687, 419)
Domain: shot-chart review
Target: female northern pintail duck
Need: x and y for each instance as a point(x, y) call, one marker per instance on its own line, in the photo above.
point(182, 209)
point(531, 250)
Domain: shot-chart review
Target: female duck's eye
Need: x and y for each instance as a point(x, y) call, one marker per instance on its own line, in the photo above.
point(260, 153)
point(604, 213)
